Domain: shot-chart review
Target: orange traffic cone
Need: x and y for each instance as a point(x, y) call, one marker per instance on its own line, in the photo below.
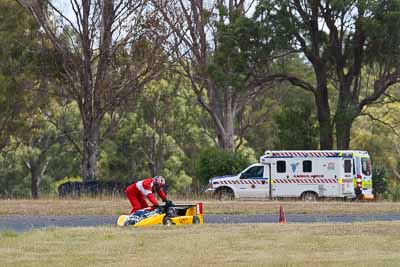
point(282, 217)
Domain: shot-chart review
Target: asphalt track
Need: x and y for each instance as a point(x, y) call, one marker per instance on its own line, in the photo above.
point(22, 223)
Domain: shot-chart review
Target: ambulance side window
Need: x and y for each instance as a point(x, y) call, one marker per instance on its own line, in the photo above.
point(281, 166)
point(307, 166)
point(253, 172)
point(347, 166)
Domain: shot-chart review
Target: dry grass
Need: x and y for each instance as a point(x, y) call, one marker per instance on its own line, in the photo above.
point(367, 244)
point(299, 207)
point(87, 206)
point(116, 206)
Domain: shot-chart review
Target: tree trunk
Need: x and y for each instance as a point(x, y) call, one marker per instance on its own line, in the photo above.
point(90, 145)
point(346, 113)
point(324, 116)
point(223, 111)
point(227, 141)
point(37, 168)
point(343, 129)
point(224, 119)
point(35, 182)
point(325, 129)
point(155, 157)
point(226, 138)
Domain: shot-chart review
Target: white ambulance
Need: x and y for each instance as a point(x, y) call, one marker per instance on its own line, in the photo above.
point(309, 175)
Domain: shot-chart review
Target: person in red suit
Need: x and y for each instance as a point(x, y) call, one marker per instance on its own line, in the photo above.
point(138, 191)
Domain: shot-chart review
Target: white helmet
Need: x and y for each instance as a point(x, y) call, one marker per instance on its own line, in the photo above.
point(159, 180)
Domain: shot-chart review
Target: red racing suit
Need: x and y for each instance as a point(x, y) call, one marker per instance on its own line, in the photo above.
point(137, 192)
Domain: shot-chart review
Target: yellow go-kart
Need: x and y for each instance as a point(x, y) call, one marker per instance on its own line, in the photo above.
point(175, 215)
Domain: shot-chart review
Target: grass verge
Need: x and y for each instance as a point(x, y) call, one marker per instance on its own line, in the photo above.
point(366, 244)
point(117, 206)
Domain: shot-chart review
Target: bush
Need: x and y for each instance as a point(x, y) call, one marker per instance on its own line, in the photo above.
point(214, 162)
point(379, 183)
point(56, 184)
point(91, 188)
point(393, 193)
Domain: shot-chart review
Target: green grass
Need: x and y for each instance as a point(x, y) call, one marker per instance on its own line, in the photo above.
point(366, 244)
point(8, 234)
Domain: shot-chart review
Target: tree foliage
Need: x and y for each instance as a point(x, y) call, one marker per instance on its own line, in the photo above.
point(220, 53)
point(159, 138)
point(296, 124)
point(108, 50)
point(172, 84)
point(379, 182)
point(336, 38)
point(214, 162)
point(18, 44)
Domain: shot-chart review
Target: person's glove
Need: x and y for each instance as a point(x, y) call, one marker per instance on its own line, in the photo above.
point(155, 207)
point(169, 203)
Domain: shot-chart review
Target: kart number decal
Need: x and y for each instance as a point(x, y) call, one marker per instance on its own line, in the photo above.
point(184, 220)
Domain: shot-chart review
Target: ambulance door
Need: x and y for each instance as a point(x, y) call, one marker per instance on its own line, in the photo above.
point(363, 176)
point(253, 183)
point(366, 174)
point(346, 180)
point(279, 179)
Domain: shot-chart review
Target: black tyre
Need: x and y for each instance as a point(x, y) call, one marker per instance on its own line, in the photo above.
point(167, 221)
point(225, 193)
point(309, 196)
point(196, 220)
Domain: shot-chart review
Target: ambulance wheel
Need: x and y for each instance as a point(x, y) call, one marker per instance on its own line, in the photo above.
point(309, 196)
point(348, 199)
point(225, 193)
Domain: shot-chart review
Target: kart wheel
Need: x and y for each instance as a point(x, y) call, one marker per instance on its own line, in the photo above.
point(168, 221)
point(123, 220)
point(196, 220)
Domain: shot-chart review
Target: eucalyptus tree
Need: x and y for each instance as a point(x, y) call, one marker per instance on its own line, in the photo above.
point(18, 43)
point(219, 52)
point(36, 146)
point(108, 50)
point(161, 137)
point(353, 45)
